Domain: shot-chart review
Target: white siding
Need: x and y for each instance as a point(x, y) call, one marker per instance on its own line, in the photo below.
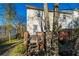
point(33, 18)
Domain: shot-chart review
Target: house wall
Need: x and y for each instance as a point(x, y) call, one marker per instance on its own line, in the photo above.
point(35, 18)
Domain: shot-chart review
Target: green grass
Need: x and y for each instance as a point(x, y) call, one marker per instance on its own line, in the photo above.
point(7, 41)
point(18, 50)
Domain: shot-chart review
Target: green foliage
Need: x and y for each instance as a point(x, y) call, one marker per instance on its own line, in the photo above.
point(18, 50)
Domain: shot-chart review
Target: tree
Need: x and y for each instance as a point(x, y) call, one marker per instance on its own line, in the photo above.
point(75, 35)
point(47, 29)
point(10, 14)
point(20, 26)
point(46, 16)
point(9, 27)
point(55, 29)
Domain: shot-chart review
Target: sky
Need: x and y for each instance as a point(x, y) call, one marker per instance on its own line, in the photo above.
point(21, 9)
point(61, 5)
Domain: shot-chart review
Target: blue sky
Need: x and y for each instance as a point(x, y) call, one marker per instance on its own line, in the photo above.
point(61, 5)
point(21, 9)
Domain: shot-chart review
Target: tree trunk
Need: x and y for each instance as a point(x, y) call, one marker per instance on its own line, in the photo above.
point(46, 16)
point(54, 43)
point(9, 36)
point(47, 28)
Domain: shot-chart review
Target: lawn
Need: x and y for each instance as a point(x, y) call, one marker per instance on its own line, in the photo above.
point(17, 49)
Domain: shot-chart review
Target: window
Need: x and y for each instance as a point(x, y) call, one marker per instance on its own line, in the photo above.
point(34, 28)
point(38, 14)
point(64, 16)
